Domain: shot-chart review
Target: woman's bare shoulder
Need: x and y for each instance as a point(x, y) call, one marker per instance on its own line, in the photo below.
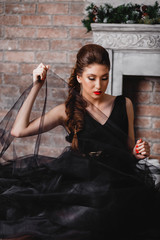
point(129, 106)
point(128, 102)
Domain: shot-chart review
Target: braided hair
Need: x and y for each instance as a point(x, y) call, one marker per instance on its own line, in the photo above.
point(75, 105)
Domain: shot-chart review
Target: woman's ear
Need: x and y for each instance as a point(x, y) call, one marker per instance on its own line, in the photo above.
point(79, 79)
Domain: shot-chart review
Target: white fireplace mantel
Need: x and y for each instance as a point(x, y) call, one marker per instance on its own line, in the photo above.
point(134, 49)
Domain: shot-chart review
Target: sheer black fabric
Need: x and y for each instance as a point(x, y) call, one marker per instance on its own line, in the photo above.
point(101, 192)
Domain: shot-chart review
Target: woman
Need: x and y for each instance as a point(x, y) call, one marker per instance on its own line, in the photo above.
point(92, 77)
point(96, 189)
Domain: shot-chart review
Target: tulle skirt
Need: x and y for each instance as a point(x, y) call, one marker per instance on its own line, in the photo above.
point(96, 196)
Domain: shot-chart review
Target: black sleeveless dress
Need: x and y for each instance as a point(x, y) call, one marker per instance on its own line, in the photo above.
point(99, 193)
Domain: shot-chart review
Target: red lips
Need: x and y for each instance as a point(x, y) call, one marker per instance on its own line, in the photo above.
point(97, 92)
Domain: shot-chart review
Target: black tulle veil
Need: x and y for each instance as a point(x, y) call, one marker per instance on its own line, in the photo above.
point(43, 189)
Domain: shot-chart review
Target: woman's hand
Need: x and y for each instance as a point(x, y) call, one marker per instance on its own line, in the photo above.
point(141, 149)
point(40, 73)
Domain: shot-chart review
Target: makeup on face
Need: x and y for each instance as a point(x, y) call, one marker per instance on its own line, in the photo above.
point(94, 81)
point(98, 92)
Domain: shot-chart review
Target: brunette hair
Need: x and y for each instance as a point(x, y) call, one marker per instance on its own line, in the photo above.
point(75, 104)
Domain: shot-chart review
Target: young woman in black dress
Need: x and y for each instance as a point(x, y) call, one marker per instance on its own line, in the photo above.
point(96, 189)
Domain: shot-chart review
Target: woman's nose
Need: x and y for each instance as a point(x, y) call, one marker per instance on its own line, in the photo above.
point(98, 83)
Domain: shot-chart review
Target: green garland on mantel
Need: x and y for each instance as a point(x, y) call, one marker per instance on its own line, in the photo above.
point(125, 13)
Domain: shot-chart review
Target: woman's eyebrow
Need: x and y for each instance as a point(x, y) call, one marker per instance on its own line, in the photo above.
point(96, 75)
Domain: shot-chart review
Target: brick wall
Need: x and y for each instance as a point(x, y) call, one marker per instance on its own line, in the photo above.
point(32, 32)
point(144, 92)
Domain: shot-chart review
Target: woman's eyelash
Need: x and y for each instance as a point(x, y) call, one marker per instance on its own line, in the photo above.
point(91, 78)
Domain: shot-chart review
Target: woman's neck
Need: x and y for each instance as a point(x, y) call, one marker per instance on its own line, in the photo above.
point(98, 103)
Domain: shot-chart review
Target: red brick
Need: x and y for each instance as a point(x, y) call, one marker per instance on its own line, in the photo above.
point(26, 84)
point(52, 33)
point(54, 81)
point(156, 123)
point(59, 141)
point(63, 71)
point(59, 93)
point(10, 1)
point(46, 1)
point(20, 80)
point(51, 57)
point(33, 45)
point(18, 32)
point(0, 78)
point(27, 68)
point(76, 8)
point(157, 85)
point(24, 149)
point(67, 20)
point(142, 97)
point(26, 140)
point(144, 86)
point(19, 56)
point(2, 114)
point(148, 110)
point(148, 134)
point(47, 139)
point(38, 105)
point(1, 32)
point(20, 8)
point(9, 67)
point(50, 151)
point(72, 57)
point(9, 20)
point(53, 8)
point(154, 157)
point(36, 20)
point(1, 8)
point(156, 148)
point(8, 44)
point(69, 0)
point(59, 130)
point(9, 91)
point(8, 101)
point(156, 98)
point(143, 122)
point(80, 33)
point(1, 56)
point(66, 44)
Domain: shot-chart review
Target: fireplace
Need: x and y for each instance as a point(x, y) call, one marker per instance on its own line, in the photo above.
point(134, 51)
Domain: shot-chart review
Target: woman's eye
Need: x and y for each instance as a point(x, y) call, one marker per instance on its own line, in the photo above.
point(90, 78)
point(106, 78)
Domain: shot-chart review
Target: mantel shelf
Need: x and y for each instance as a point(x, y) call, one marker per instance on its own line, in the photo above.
point(125, 27)
point(127, 36)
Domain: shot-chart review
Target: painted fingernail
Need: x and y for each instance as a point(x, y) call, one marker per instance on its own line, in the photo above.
point(137, 151)
point(136, 146)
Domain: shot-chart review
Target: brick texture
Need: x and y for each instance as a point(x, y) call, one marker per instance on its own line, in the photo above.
point(32, 32)
point(56, 8)
point(143, 91)
point(20, 8)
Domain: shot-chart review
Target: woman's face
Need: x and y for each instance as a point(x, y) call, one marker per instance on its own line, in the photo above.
point(94, 81)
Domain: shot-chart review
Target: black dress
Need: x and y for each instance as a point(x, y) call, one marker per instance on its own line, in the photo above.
point(98, 193)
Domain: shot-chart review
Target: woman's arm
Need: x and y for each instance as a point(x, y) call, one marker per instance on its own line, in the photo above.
point(141, 149)
point(22, 126)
